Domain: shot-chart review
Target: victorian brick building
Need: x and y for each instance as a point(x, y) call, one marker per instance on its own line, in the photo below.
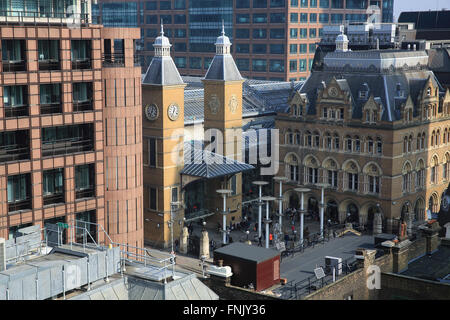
point(374, 126)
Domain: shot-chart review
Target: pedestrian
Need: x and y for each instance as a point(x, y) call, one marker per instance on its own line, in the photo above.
point(260, 241)
point(293, 228)
point(176, 245)
point(286, 239)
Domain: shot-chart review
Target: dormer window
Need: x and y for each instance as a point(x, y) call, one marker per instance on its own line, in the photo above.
point(294, 110)
point(429, 92)
point(363, 94)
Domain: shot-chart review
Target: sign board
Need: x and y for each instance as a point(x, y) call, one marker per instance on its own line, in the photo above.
point(63, 225)
point(280, 246)
point(319, 273)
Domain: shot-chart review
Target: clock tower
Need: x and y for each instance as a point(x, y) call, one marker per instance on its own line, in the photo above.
point(163, 126)
point(223, 112)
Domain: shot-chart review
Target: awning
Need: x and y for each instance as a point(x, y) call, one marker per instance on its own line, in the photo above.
point(206, 164)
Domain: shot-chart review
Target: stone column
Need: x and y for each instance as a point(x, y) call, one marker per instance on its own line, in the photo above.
point(204, 245)
point(377, 223)
point(184, 240)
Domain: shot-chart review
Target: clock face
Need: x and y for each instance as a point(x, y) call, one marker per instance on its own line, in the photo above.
point(333, 92)
point(173, 112)
point(151, 112)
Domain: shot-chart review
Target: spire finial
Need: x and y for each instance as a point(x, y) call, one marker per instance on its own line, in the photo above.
point(223, 27)
point(162, 27)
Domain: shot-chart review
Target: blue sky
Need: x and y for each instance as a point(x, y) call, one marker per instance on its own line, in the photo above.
point(419, 5)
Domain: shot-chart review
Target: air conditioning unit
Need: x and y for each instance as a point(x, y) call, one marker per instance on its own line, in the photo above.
point(333, 262)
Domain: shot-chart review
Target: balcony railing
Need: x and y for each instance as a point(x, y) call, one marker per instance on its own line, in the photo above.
point(81, 64)
point(113, 60)
point(82, 105)
point(54, 198)
point(66, 147)
point(17, 111)
point(14, 153)
point(85, 193)
point(35, 17)
point(19, 205)
point(14, 65)
point(49, 64)
point(49, 108)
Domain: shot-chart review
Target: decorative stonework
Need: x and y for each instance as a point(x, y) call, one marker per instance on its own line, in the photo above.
point(214, 104)
point(233, 103)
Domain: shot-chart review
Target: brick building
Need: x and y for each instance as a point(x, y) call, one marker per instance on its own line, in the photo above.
point(374, 126)
point(273, 39)
point(70, 119)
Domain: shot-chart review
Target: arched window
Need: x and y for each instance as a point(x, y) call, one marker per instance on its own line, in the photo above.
point(357, 144)
point(328, 141)
point(419, 142)
point(423, 140)
point(292, 167)
point(446, 166)
point(433, 203)
point(434, 170)
point(312, 170)
point(372, 179)
point(406, 181)
point(294, 110)
point(316, 139)
point(433, 134)
point(370, 145)
point(348, 143)
point(308, 139)
point(438, 138)
point(420, 176)
point(405, 144)
point(298, 139)
point(410, 143)
point(336, 142)
point(331, 172)
point(379, 146)
point(444, 136)
point(351, 176)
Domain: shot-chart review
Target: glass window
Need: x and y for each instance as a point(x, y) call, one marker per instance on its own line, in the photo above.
point(179, 19)
point(243, 64)
point(294, 3)
point(195, 63)
point(165, 5)
point(242, 48)
point(179, 33)
point(48, 50)
point(303, 17)
point(242, 18)
point(243, 4)
point(320, 32)
point(313, 33)
point(324, 3)
point(84, 177)
point(310, 63)
point(293, 34)
point(50, 93)
point(276, 33)
point(180, 62)
point(242, 33)
point(53, 182)
point(151, 19)
point(277, 3)
point(259, 33)
point(277, 18)
point(276, 66)
point(18, 188)
point(180, 47)
point(336, 18)
point(179, 4)
point(313, 17)
point(277, 48)
point(337, 4)
point(313, 3)
point(152, 198)
point(303, 48)
point(292, 48)
point(323, 17)
point(259, 3)
point(259, 18)
point(150, 5)
point(166, 18)
point(15, 96)
point(304, 3)
point(293, 65)
point(152, 33)
point(294, 17)
point(259, 48)
point(259, 65)
point(206, 62)
point(312, 48)
point(302, 64)
point(356, 4)
point(303, 33)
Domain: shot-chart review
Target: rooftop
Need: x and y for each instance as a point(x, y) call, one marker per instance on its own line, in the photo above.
point(248, 252)
point(435, 267)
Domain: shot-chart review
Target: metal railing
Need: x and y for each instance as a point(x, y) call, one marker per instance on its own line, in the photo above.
point(36, 17)
point(19, 205)
point(52, 107)
point(50, 64)
point(81, 64)
point(85, 193)
point(17, 111)
point(67, 147)
point(82, 105)
point(53, 198)
point(14, 153)
point(113, 59)
point(13, 66)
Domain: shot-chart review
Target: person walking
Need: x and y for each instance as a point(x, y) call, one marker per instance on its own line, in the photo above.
point(260, 241)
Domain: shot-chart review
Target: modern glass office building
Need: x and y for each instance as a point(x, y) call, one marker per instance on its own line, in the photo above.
point(272, 39)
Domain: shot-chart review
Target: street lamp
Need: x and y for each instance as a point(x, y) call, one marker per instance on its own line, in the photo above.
point(280, 179)
point(173, 205)
point(322, 205)
point(260, 184)
point(267, 220)
point(224, 193)
point(302, 210)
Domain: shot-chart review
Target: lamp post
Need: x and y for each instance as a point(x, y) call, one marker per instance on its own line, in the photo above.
point(302, 191)
point(322, 205)
point(267, 220)
point(260, 184)
point(173, 205)
point(280, 179)
point(224, 193)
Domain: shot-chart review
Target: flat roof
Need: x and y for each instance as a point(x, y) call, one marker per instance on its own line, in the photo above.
point(248, 252)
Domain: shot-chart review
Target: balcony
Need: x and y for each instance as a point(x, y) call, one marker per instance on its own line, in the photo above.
point(113, 60)
point(13, 55)
point(19, 205)
point(17, 111)
point(53, 199)
point(68, 146)
point(14, 146)
point(49, 64)
point(85, 193)
point(52, 107)
point(80, 106)
point(80, 64)
point(14, 65)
